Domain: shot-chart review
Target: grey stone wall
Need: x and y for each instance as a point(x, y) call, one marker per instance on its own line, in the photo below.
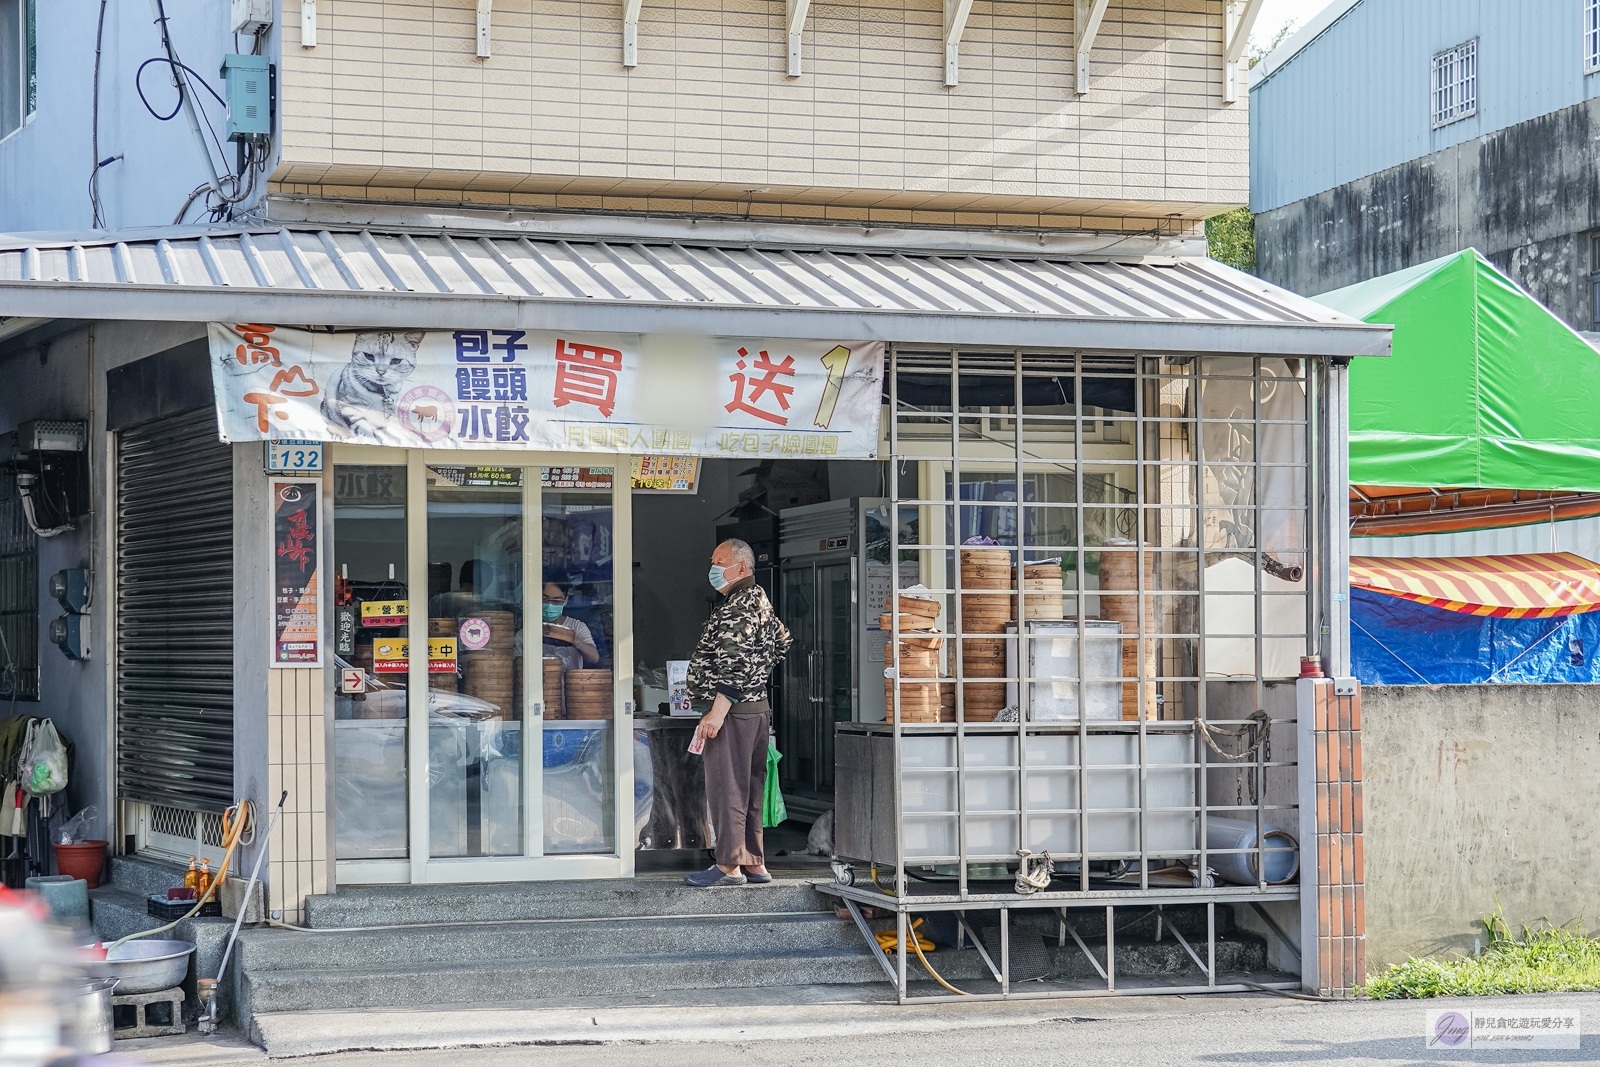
point(1476, 794)
point(1525, 196)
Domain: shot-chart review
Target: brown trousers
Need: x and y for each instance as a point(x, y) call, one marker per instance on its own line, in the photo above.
point(736, 783)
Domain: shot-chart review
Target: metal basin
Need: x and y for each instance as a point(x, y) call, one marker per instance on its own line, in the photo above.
point(145, 966)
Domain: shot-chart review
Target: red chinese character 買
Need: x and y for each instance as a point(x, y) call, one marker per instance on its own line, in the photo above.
point(763, 379)
point(257, 347)
point(285, 378)
point(264, 402)
point(587, 374)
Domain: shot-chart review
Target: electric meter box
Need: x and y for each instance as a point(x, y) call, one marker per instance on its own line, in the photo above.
point(248, 80)
point(251, 16)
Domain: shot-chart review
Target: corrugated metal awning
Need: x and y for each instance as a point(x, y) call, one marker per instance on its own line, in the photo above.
point(1512, 587)
point(364, 277)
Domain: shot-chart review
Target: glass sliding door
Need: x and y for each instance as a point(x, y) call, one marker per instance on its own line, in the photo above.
point(483, 635)
point(579, 602)
point(475, 634)
point(370, 631)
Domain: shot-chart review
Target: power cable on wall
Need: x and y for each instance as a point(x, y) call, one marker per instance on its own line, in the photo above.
point(225, 189)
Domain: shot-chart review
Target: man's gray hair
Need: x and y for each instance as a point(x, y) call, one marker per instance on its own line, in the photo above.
point(741, 552)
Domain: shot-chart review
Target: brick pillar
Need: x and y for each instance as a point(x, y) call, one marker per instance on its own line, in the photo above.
point(1333, 921)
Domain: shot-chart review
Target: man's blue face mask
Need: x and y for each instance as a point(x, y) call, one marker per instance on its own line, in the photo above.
point(718, 577)
point(552, 612)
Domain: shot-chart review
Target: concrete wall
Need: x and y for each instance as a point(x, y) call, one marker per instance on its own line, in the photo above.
point(1524, 196)
point(45, 166)
point(393, 103)
point(1355, 100)
point(1476, 793)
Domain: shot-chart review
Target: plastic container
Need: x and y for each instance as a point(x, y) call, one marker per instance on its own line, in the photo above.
point(85, 860)
point(1239, 868)
point(159, 907)
point(67, 897)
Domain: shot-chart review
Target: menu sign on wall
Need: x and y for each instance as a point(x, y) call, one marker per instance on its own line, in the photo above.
point(296, 552)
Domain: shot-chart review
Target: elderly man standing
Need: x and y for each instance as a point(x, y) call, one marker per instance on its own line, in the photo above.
point(741, 643)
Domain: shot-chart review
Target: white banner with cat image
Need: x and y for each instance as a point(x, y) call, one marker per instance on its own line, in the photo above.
point(544, 391)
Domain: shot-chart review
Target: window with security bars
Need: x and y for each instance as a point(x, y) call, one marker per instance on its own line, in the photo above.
point(1111, 553)
point(1591, 36)
point(19, 78)
point(19, 598)
point(1455, 84)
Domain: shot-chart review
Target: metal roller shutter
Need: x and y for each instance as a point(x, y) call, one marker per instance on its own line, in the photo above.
point(175, 613)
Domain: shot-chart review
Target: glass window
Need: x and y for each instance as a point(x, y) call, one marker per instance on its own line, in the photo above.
point(18, 60)
point(579, 617)
point(475, 660)
point(371, 628)
point(1455, 84)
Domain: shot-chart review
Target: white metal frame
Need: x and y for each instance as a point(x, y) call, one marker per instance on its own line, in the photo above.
point(1318, 507)
point(1453, 84)
point(419, 867)
point(1591, 36)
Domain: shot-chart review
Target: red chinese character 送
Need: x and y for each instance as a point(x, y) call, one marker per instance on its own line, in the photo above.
point(285, 378)
point(763, 379)
point(264, 402)
point(257, 347)
point(587, 374)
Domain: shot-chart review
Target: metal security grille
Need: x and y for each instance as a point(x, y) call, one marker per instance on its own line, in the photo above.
point(1091, 695)
point(174, 642)
point(19, 598)
point(1455, 84)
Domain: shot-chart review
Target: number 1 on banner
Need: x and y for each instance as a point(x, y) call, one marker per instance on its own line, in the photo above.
point(836, 361)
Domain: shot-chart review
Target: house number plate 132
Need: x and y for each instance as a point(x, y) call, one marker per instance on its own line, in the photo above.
point(294, 457)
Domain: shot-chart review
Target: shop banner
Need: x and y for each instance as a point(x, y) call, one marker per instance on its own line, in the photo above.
point(542, 391)
point(296, 540)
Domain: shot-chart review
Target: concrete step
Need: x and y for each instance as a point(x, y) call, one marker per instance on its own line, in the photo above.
point(143, 875)
point(394, 905)
point(573, 941)
point(479, 983)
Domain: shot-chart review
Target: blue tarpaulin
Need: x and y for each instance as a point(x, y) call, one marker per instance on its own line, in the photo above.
point(1394, 641)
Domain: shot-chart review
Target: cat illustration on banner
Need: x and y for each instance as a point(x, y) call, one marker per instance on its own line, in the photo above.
point(360, 401)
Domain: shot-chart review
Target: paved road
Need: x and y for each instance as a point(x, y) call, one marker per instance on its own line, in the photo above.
point(1123, 1032)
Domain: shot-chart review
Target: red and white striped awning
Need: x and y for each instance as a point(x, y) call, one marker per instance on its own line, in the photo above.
point(1539, 585)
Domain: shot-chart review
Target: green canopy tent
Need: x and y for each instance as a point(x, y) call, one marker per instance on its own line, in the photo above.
point(1485, 387)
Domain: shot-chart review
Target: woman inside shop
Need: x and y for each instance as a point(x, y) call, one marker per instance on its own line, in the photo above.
point(567, 638)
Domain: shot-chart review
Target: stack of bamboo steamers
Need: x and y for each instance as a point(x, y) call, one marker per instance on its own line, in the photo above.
point(490, 673)
point(985, 610)
point(916, 656)
point(588, 694)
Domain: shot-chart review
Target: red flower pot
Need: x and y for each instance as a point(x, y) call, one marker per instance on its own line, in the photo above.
point(84, 861)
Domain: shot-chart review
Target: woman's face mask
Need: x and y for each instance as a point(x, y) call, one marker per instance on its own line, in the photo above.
point(552, 612)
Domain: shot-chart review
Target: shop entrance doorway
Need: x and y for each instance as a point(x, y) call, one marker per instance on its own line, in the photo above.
point(481, 681)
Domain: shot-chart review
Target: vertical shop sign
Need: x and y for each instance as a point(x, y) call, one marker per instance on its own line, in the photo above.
point(296, 551)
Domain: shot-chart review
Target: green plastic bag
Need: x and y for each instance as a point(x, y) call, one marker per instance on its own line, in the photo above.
point(773, 810)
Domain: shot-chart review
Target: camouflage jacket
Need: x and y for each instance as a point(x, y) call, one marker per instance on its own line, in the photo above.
point(741, 644)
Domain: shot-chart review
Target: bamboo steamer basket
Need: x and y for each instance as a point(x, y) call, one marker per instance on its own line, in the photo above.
point(997, 556)
point(982, 701)
point(919, 701)
point(589, 694)
point(502, 630)
point(925, 637)
point(1119, 570)
point(916, 606)
point(554, 704)
point(986, 576)
point(909, 624)
point(1043, 598)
